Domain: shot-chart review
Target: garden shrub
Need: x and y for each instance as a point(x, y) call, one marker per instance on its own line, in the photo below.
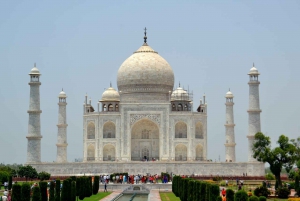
point(78, 186)
point(214, 191)
point(16, 192)
point(219, 198)
point(57, 190)
point(203, 192)
point(66, 190)
point(207, 192)
point(36, 194)
point(229, 195)
point(9, 182)
point(184, 194)
point(197, 195)
point(297, 185)
point(96, 185)
point(43, 190)
point(253, 198)
point(262, 198)
point(241, 196)
point(270, 176)
point(262, 191)
point(282, 192)
point(90, 186)
point(73, 191)
point(191, 190)
point(51, 191)
point(25, 192)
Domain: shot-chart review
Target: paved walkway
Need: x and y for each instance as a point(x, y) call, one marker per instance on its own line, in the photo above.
point(154, 195)
point(112, 195)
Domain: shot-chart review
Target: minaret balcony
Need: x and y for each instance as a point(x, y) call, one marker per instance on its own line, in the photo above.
point(254, 110)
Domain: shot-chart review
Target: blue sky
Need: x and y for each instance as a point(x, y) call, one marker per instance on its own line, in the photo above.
point(211, 45)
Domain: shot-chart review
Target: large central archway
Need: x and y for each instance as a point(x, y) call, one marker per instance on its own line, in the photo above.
point(144, 140)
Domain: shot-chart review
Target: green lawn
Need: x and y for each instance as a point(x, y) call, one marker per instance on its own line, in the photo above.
point(97, 197)
point(168, 197)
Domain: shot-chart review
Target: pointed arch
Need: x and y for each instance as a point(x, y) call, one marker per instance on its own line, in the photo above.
point(109, 130)
point(180, 130)
point(180, 153)
point(91, 130)
point(144, 140)
point(109, 153)
point(199, 152)
point(199, 130)
point(91, 153)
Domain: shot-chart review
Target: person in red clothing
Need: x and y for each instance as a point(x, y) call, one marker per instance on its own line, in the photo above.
point(223, 192)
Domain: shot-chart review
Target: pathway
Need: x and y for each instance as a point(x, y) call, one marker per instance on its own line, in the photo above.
point(112, 195)
point(154, 195)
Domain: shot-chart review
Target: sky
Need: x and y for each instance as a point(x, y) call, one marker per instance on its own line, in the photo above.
point(210, 45)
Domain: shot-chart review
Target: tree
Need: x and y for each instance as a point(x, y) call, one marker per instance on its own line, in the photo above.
point(96, 185)
point(43, 190)
point(44, 176)
point(283, 156)
point(28, 172)
point(25, 190)
point(9, 182)
point(73, 191)
point(16, 192)
point(36, 194)
point(66, 190)
point(57, 190)
point(51, 191)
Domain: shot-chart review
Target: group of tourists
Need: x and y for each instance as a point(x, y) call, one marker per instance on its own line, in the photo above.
point(6, 196)
point(132, 179)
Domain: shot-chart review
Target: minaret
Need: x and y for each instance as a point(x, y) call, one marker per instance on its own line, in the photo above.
point(61, 156)
point(254, 110)
point(34, 126)
point(230, 141)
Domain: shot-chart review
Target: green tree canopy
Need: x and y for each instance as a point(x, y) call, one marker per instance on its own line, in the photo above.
point(28, 172)
point(283, 156)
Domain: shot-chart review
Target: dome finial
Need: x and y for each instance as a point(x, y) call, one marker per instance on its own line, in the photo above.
point(253, 64)
point(34, 64)
point(62, 89)
point(179, 83)
point(110, 84)
point(229, 89)
point(145, 37)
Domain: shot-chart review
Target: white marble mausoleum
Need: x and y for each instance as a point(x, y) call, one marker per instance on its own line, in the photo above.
point(144, 126)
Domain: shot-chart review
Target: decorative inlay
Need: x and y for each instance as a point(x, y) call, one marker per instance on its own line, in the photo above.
point(135, 117)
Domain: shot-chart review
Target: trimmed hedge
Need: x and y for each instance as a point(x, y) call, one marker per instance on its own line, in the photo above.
point(253, 198)
point(262, 191)
point(262, 198)
point(73, 191)
point(25, 192)
point(9, 182)
point(57, 190)
point(51, 191)
point(214, 192)
point(219, 198)
point(96, 185)
point(229, 195)
point(66, 190)
point(43, 190)
point(36, 194)
point(241, 196)
point(16, 192)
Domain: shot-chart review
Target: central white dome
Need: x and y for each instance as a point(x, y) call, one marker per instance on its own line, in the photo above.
point(145, 71)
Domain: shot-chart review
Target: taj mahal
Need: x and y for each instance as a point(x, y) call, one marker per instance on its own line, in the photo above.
point(144, 126)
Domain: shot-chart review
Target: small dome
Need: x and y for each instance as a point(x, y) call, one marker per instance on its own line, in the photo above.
point(62, 94)
point(179, 94)
point(253, 71)
point(34, 71)
point(110, 94)
point(229, 94)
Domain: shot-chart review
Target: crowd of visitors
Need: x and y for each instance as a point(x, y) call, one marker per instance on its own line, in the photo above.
point(133, 179)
